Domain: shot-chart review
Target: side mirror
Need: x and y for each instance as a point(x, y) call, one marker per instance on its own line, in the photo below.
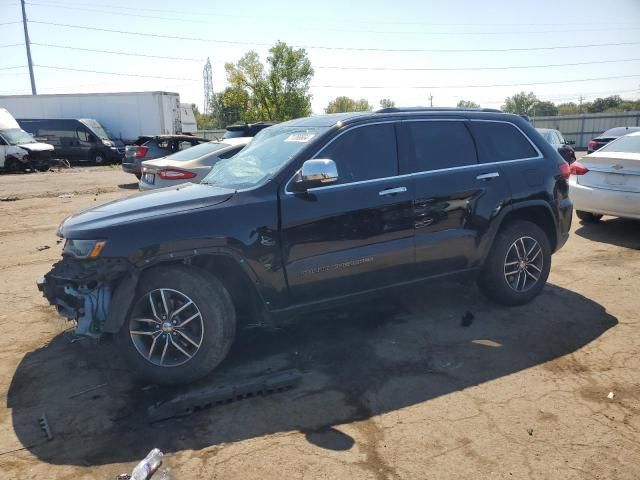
point(315, 173)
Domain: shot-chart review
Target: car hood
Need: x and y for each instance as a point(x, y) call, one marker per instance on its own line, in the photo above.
point(142, 206)
point(37, 147)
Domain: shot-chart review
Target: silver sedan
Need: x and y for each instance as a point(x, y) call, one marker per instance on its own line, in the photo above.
point(190, 165)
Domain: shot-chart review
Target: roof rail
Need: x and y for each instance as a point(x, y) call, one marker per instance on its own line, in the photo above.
point(436, 109)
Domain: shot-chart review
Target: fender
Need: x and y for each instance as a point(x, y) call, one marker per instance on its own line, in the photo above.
point(487, 240)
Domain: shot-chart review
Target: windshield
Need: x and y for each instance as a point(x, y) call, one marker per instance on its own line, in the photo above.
point(198, 151)
point(628, 143)
point(17, 136)
point(619, 131)
point(99, 130)
point(269, 151)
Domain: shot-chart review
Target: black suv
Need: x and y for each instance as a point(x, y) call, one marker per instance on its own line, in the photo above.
point(246, 129)
point(313, 212)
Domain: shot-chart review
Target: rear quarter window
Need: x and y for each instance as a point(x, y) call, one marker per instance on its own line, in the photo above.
point(500, 141)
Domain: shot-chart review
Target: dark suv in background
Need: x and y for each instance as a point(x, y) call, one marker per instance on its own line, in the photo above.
point(246, 129)
point(312, 213)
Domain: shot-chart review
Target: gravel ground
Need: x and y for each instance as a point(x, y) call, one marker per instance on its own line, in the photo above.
point(397, 388)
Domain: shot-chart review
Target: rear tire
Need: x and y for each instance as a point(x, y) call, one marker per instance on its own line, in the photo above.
point(186, 334)
point(518, 264)
point(588, 217)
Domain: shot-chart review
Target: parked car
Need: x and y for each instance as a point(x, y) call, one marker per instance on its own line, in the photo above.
point(314, 212)
point(155, 146)
point(76, 140)
point(607, 182)
point(245, 129)
point(19, 151)
point(190, 165)
point(608, 136)
point(555, 138)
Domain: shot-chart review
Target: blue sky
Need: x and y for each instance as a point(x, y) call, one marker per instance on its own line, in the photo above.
point(226, 30)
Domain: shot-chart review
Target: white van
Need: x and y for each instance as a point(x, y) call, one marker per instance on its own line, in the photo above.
point(19, 150)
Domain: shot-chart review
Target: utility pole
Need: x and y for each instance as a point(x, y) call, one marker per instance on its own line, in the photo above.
point(27, 44)
point(430, 100)
point(580, 99)
point(207, 77)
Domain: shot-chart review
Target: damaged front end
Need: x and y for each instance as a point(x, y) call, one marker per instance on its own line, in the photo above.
point(83, 290)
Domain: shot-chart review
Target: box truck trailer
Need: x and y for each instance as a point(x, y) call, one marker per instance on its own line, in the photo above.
point(125, 115)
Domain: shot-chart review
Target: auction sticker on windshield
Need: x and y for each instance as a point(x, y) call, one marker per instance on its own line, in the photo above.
point(300, 137)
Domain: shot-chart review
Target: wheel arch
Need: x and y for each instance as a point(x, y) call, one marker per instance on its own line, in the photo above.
point(538, 212)
point(225, 267)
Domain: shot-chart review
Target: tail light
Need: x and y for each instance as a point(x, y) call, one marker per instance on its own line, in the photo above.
point(565, 170)
point(578, 169)
point(141, 151)
point(592, 145)
point(175, 174)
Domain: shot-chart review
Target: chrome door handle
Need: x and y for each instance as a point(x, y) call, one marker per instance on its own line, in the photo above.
point(488, 176)
point(392, 191)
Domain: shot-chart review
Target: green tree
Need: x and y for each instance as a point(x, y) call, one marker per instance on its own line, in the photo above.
point(545, 109)
point(346, 104)
point(467, 104)
point(605, 104)
point(279, 91)
point(569, 108)
point(521, 103)
point(387, 103)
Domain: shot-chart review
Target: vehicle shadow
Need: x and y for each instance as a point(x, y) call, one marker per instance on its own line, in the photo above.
point(403, 349)
point(621, 232)
point(129, 186)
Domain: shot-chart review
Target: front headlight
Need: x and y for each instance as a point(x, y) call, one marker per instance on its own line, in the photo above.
point(84, 248)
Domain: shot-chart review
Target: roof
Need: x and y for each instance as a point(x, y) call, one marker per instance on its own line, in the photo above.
point(332, 119)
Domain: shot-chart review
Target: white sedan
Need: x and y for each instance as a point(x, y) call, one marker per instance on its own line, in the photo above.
point(189, 165)
point(607, 181)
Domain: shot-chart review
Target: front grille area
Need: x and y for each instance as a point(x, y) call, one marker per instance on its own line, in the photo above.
point(40, 155)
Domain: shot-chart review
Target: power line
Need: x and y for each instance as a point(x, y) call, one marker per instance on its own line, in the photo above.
point(12, 45)
point(471, 86)
point(322, 47)
point(384, 32)
point(510, 67)
point(11, 68)
point(236, 15)
point(114, 52)
point(10, 23)
point(114, 73)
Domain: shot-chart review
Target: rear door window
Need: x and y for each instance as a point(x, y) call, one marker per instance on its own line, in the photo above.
point(435, 145)
point(500, 141)
point(364, 153)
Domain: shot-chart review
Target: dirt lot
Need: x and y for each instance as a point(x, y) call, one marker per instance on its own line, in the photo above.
point(395, 389)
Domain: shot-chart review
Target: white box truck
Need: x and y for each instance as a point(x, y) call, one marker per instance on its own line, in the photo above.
point(125, 115)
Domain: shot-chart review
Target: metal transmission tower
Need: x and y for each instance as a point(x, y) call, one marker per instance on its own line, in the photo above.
point(207, 76)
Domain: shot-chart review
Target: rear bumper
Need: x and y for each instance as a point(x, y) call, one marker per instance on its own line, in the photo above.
point(605, 202)
point(131, 167)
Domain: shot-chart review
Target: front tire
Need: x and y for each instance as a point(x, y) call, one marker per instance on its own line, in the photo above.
point(588, 217)
point(180, 326)
point(518, 264)
point(98, 158)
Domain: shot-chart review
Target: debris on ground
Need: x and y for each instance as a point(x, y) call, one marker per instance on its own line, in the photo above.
point(44, 425)
point(467, 319)
point(188, 403)
point(8, 199)
point(530, 431)
point(67, 195)
point(610, 396)
point(43, 247)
